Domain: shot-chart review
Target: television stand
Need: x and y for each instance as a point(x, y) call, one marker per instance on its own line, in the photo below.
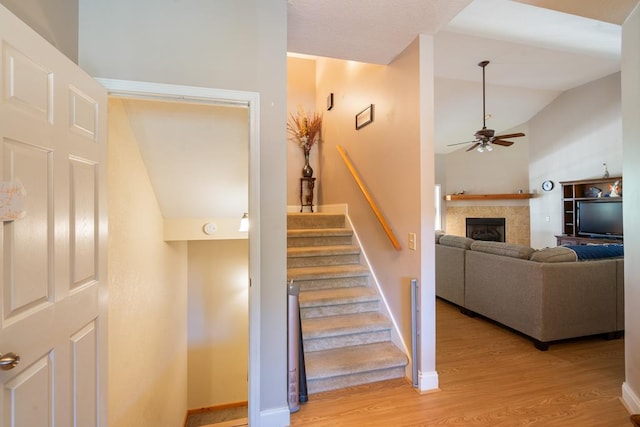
point(574, 192)
point(577, 240)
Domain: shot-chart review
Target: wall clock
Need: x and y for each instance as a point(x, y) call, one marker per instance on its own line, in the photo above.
point(547, 185)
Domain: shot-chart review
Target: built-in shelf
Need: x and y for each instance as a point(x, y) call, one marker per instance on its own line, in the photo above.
point(488, 196)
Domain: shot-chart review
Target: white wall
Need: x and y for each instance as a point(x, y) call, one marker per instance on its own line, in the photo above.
point(194, 148)
point(228, 45)
point(55, 20)
point(218, 323)
point(503, 170)
point(631, 192)
point(569, 140)
point(147, 311)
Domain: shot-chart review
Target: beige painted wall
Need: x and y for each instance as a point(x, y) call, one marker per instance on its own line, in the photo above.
point(199, 44)
point(218, 322)
point(301, 92)
point(147, 315)
point(386, 154)
point(569, 140)
point(631, 174)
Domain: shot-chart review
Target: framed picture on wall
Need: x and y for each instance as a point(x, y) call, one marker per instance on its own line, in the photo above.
point(364, 117)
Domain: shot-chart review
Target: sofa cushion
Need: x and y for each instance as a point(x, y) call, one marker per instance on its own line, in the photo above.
point(505, 249)
point(456, 241)
point(558, 254)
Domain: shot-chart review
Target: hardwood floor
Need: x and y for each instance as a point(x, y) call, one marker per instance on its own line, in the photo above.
point(489, 376)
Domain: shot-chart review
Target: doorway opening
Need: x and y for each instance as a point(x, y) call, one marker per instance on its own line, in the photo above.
point(221, 98)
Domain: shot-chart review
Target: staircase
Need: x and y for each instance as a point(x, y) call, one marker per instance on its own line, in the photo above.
point(347, 340)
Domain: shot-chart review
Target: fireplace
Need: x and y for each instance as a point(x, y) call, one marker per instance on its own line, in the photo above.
point(490, 229)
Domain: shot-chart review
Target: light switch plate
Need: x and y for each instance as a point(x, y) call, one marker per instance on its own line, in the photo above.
point(412, 241)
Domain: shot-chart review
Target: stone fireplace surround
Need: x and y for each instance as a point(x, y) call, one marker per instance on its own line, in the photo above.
point(517, 221)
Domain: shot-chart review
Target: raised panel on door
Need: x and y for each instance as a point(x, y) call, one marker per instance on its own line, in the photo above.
point(83, 220)
point(84, 365)
point(27, 242)
point(29, 397)
point(27, 85)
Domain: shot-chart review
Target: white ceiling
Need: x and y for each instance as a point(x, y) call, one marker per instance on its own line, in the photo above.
point(535, 52)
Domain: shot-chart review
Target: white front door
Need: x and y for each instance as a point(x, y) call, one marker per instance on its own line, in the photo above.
point(53, 237)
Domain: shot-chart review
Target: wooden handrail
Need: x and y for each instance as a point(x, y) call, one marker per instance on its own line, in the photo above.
point(372, 203)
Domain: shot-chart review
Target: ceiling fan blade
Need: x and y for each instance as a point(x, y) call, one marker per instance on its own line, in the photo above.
point(511, 135)
point(466, 142)
point(473, 147)
point(502, 142)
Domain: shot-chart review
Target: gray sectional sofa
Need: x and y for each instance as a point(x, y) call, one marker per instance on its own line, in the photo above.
point(547, 294)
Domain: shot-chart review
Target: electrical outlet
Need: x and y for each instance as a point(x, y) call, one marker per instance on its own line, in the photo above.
point(412, 241)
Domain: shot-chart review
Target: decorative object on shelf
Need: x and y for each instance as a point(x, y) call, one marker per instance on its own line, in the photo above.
point(592, 192)
point(615, 189)
point(364, 117)
point(305, 131)
point(606, 171)
point(547, 185)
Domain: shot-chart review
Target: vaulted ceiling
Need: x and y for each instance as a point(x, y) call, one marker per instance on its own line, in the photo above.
point(537, 49)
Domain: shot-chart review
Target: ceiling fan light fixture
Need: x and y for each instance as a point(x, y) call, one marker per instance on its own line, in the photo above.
point(488, 147)
point(480, 149)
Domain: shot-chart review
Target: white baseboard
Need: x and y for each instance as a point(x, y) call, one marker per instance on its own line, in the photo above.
point(428, 381)
point(276, 417)
point(630, 399)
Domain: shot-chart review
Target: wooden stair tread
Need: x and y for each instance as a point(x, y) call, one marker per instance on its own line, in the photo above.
point(353, 360)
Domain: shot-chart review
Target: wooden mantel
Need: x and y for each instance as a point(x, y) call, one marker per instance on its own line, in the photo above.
point(513, 196)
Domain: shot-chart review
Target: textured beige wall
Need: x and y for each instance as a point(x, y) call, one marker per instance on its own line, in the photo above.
point(147, 312)
point(218, 322)
point(301, 92)
point(386, 154)
point(516, 220)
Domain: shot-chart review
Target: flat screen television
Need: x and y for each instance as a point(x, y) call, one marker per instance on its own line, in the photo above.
point(600, 218)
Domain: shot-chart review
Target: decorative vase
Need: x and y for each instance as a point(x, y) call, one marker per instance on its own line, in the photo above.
point(307, 171)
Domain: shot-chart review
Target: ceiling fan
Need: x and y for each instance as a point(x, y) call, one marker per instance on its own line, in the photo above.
point(485, 138)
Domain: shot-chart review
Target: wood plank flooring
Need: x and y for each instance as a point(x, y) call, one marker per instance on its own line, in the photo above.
point(488, 376)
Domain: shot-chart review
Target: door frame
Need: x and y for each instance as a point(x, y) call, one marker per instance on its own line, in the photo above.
point(222, 97)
